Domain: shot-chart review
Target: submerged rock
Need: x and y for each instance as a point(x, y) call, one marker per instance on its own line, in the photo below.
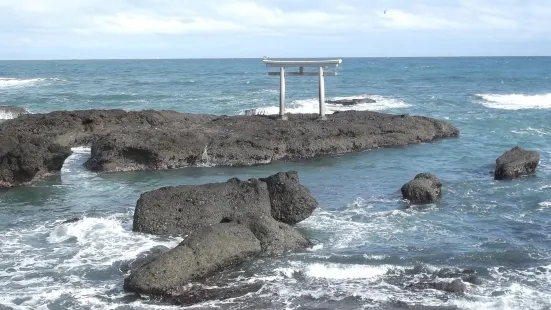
point(424, 188)
point(350, 102)
point(198, 294)
point(515, 163)
point(456, 286)
point(157, 140)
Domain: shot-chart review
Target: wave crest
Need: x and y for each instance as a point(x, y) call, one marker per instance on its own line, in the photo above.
point(515, 101)
point(311, 106)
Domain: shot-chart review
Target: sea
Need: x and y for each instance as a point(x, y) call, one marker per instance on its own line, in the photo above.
point(372, 250)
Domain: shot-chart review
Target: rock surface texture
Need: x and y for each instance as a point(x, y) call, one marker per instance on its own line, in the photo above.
point(424, 188)
point(516, 163)
point(224, 224)
point(157, 140)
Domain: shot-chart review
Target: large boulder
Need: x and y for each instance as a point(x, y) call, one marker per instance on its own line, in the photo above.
point(291, 202)
point(515, 163)
point(424, 188)
point(25, 158)
point(204, 252)
point(181, 210)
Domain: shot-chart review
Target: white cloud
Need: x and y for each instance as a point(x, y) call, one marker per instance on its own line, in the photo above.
point(78, 22)
point(123, 23)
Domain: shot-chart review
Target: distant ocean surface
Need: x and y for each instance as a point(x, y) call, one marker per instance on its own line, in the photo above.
point(370, 247)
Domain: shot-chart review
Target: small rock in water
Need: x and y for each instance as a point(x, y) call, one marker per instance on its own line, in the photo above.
point(349, 102)
point(515, 163)
point(73, 220)
point(456, 286)
point(424, 188)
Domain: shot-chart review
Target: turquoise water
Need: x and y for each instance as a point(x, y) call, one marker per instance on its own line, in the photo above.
point(370, 245)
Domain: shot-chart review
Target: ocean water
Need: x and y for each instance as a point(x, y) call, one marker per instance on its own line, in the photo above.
point(370, 247)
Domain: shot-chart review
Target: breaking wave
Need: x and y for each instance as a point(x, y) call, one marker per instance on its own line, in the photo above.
point(17, 83)
point(8, 112)
point(308, 106)
point(515, 101)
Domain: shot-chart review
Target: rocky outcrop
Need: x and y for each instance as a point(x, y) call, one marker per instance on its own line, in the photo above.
point(351, 102)
point(26, 158)
point(456, 286)
point(182, 210)
point(290, 201)
point(208, 250)
point(424, 188)
point(223, 223)
point(515, 163)
point(156, 140)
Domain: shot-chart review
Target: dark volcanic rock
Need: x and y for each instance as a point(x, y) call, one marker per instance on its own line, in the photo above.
point(245, 140)
point(515, 163)
point(424, 188)
point(153, 140)
point(25, 158)
point(180, 210)
point(291, 202)
point(204, 252)
point(349, 102)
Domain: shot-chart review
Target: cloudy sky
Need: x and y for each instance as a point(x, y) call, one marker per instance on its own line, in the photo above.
point(53, 29)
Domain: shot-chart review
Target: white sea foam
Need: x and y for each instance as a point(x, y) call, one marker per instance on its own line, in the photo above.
point(340, 271)
point(17, 83)
point(545, 204)
point(75, 250)
point(532, 131)
point(8, 113)
point(307, 106)
point(515, 101)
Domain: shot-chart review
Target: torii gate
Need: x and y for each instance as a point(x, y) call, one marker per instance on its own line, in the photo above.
point(282, 64)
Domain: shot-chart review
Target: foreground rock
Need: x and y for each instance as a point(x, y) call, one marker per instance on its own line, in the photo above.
point(208, 250)
point(351, 102)
point(224, 224)
point(424, 188)
point(182, 210)
point(156, 140)
point(515, 163)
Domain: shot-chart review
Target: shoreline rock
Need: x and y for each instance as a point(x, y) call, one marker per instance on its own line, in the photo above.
point(159, 140)
point(424, 188)
point(515, 163)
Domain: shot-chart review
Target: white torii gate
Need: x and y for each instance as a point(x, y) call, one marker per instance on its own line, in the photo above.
point(282, 64)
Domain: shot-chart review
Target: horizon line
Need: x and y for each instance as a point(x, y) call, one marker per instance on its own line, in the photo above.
point(260, 58)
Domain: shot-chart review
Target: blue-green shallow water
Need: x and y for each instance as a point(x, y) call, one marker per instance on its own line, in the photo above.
point(368, 241)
